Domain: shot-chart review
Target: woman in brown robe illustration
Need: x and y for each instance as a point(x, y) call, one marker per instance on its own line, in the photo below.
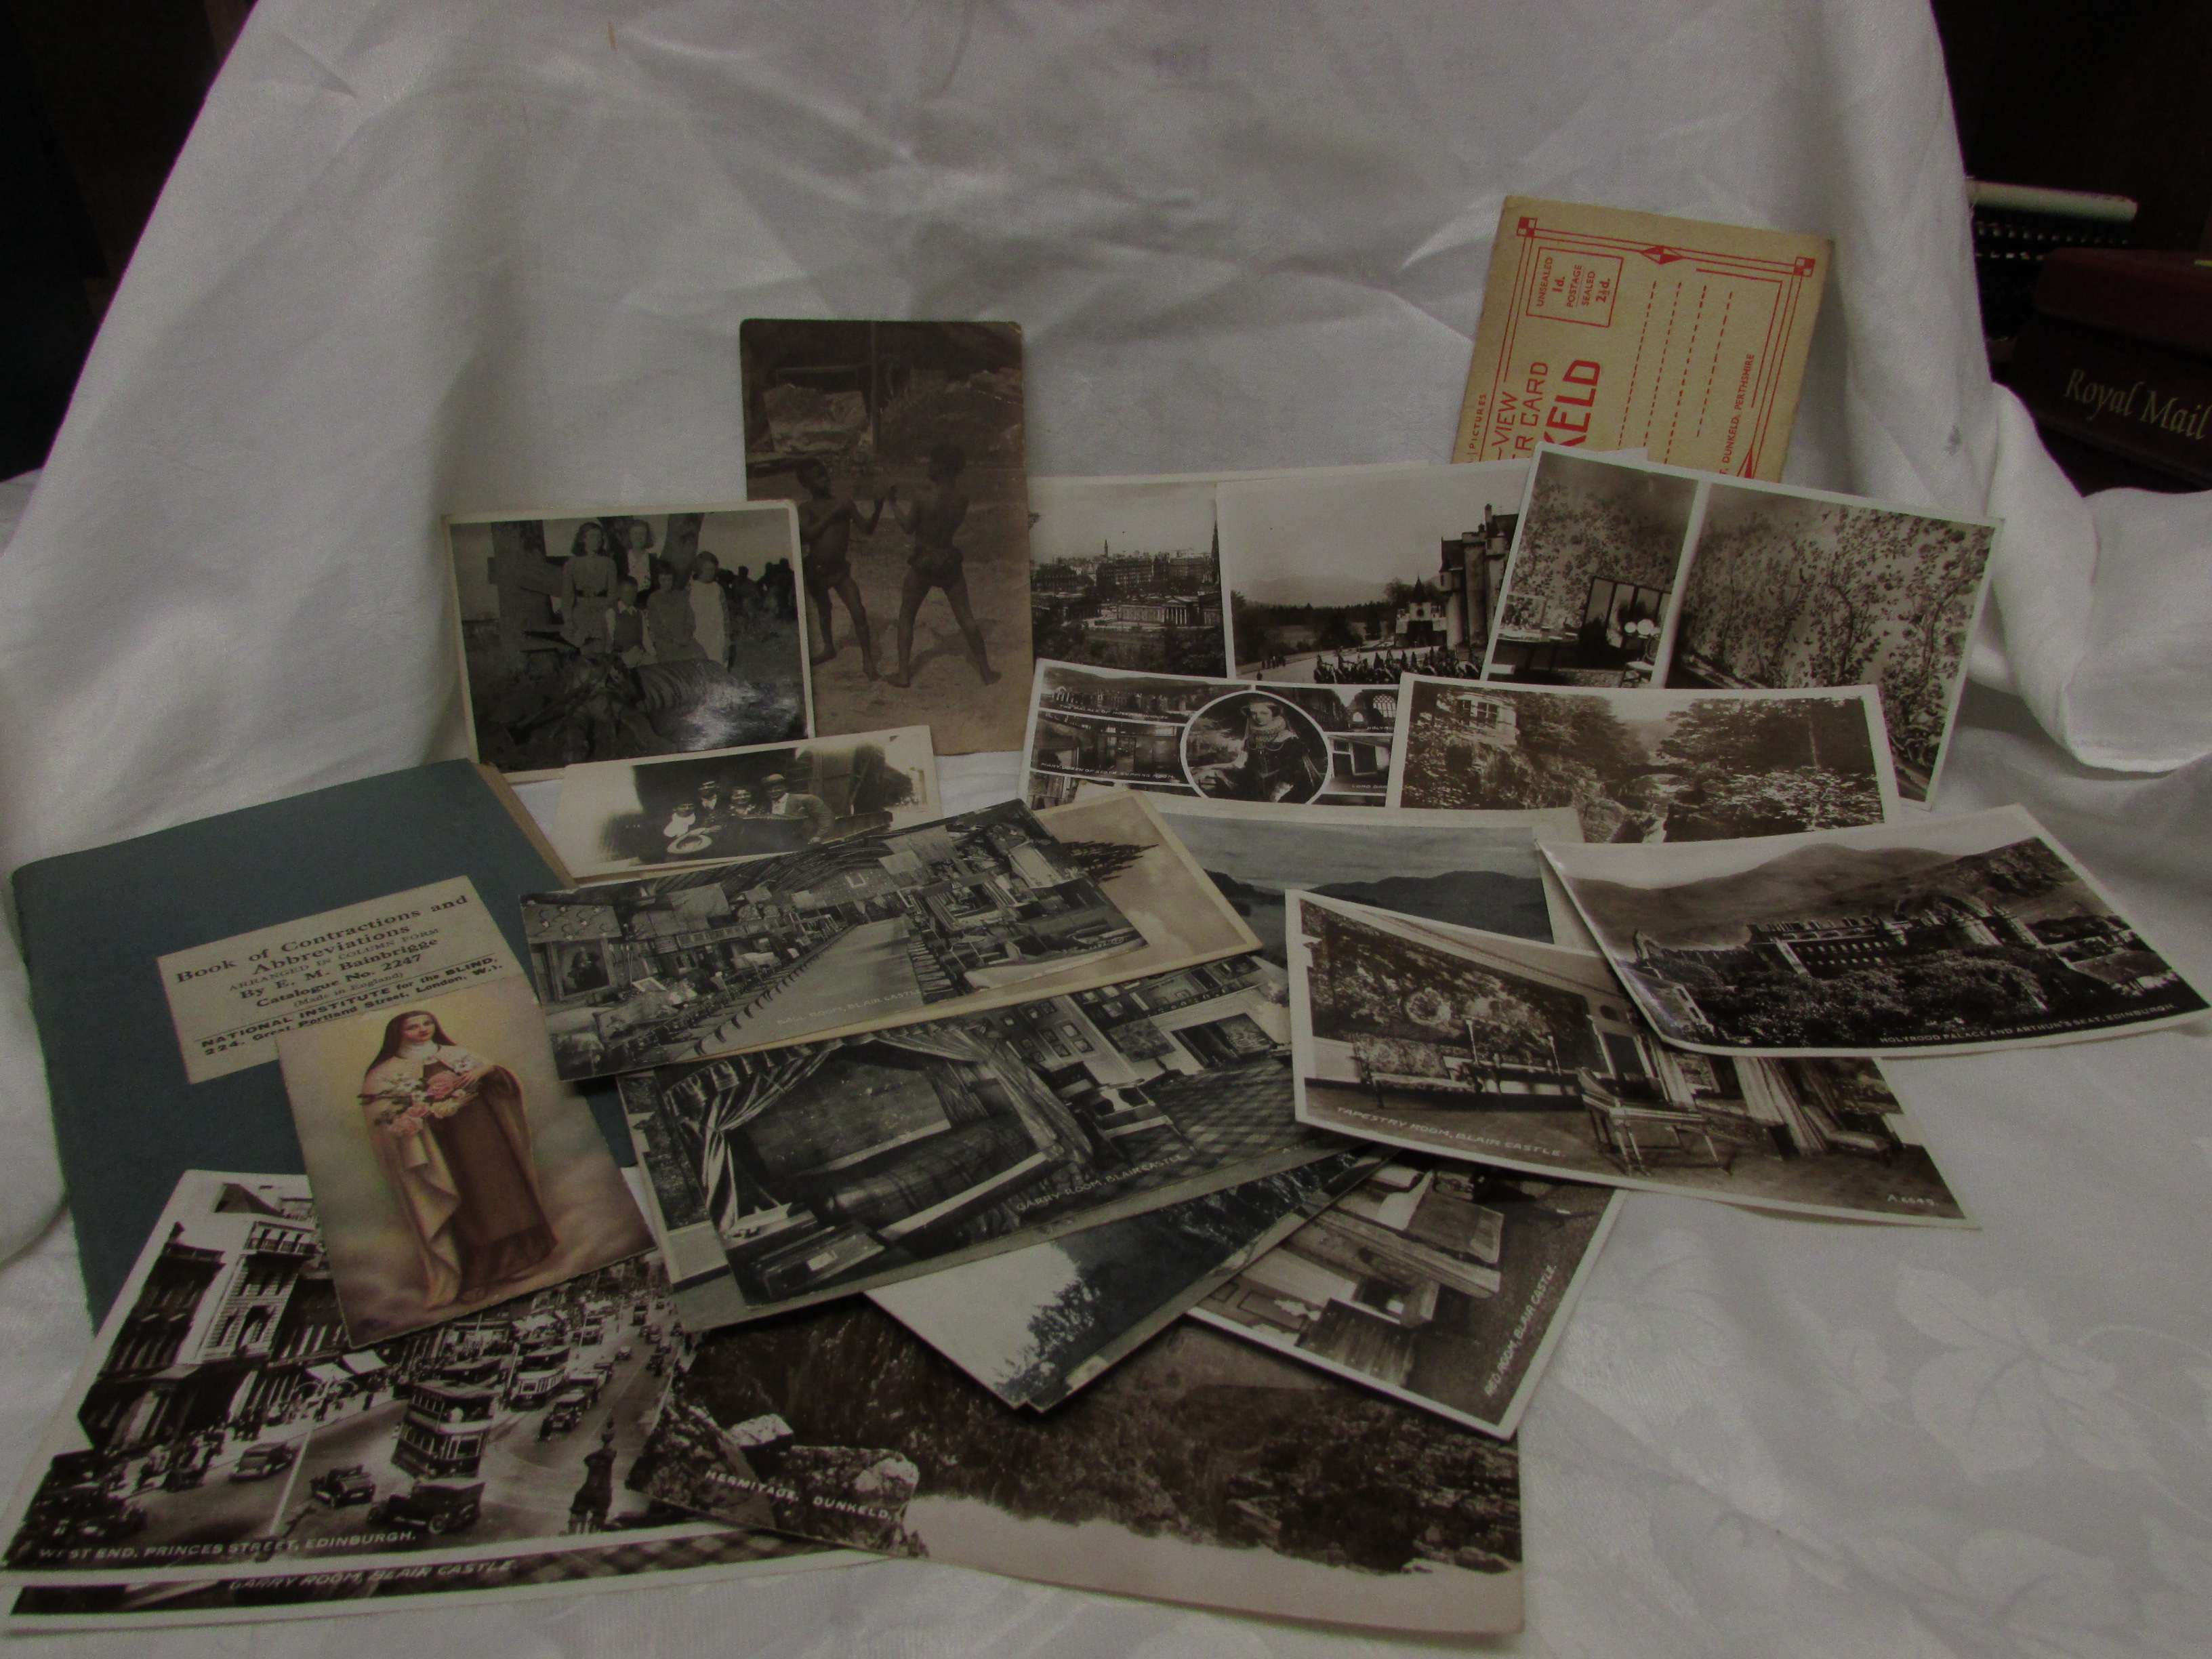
point(450, 1135)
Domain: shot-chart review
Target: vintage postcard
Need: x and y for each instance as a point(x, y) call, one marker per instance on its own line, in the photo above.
point(1603, 328)
point(231, 999)
point(826, 1168)
point(1035, 1324)
point(1648, 766)
point(847, 935)
point(452, 1169)
point(1442, 1285)
point(1588, 590)
point(1352, 578)
point(1126, 571)
point(1124, 574)
point(1528, 1057)
point(712, 1557)
point(1201, 1470)
point(1093, 728)
point(225, 1427)
point(617, 817)
point(1942, 936)
point(596, 636)
point(901, 444)
point(1801, 587)
point(1474, 869)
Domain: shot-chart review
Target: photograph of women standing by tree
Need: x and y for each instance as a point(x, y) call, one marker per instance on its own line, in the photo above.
point(455, 1171)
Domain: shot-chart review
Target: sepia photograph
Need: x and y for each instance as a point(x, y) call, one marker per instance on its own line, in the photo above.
point(1035, 1324)
point(1443, 1285)
point(1648, 765)
point(1349, 578)
point(1588, 590)
point(900, 446)
point(825, 1168)
point(452, 1169)
point(615, 818)
point(616, 635)
point(227, 1427)
point(1795, 587)
point(715, 1556)
point(866, 931)
point(1472, 869)
point(1093, 728)
point(1201, 1470)
point(1943, 936)
point(1124, 574)
point(1528, 1057)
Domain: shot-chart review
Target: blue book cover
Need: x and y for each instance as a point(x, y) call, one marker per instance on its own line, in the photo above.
point(128, 1115)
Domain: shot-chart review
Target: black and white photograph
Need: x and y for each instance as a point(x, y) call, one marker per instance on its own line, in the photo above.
point(1035, 1324)
point(1796, 587)
point(1201, 1470)
point(1092, 728)
point(616, 635)
point(616, 818)
point(1124, 574)
point(1589, 588)
point(900, 446)
point(1444, 1284)
point(1346, 577)
point(1471, 869)
point(829, 1167)
point(715, 1556)
point(1944, 936)
point(226, 1427)
point(1648, 765)
point(870, 930)
point(1528, 1057)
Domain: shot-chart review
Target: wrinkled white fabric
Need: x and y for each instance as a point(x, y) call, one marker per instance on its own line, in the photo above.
point(421, 257)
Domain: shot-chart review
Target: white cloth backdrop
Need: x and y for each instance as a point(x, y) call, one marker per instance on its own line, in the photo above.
point(423, 258)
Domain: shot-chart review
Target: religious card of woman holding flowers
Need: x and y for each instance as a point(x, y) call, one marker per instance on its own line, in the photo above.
point(451, 1169)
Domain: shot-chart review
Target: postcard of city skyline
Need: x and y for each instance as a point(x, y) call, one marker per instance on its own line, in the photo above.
point(848, 935)
point(1953, 935)
point(1201, 1470)
point(1503, 1052)
point(615, 635)
point(1443, 1285)
point(826, 1168)
point(1035, 1324)
point(1123, 573)
point(1344, 577)
point(617, 817)
point(225, 1427)
point(1648, 765)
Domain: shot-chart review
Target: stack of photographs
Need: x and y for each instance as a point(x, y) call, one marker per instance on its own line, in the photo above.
point(1626, 573)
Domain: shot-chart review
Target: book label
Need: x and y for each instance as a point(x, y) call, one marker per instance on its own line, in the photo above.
point(231, 998)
